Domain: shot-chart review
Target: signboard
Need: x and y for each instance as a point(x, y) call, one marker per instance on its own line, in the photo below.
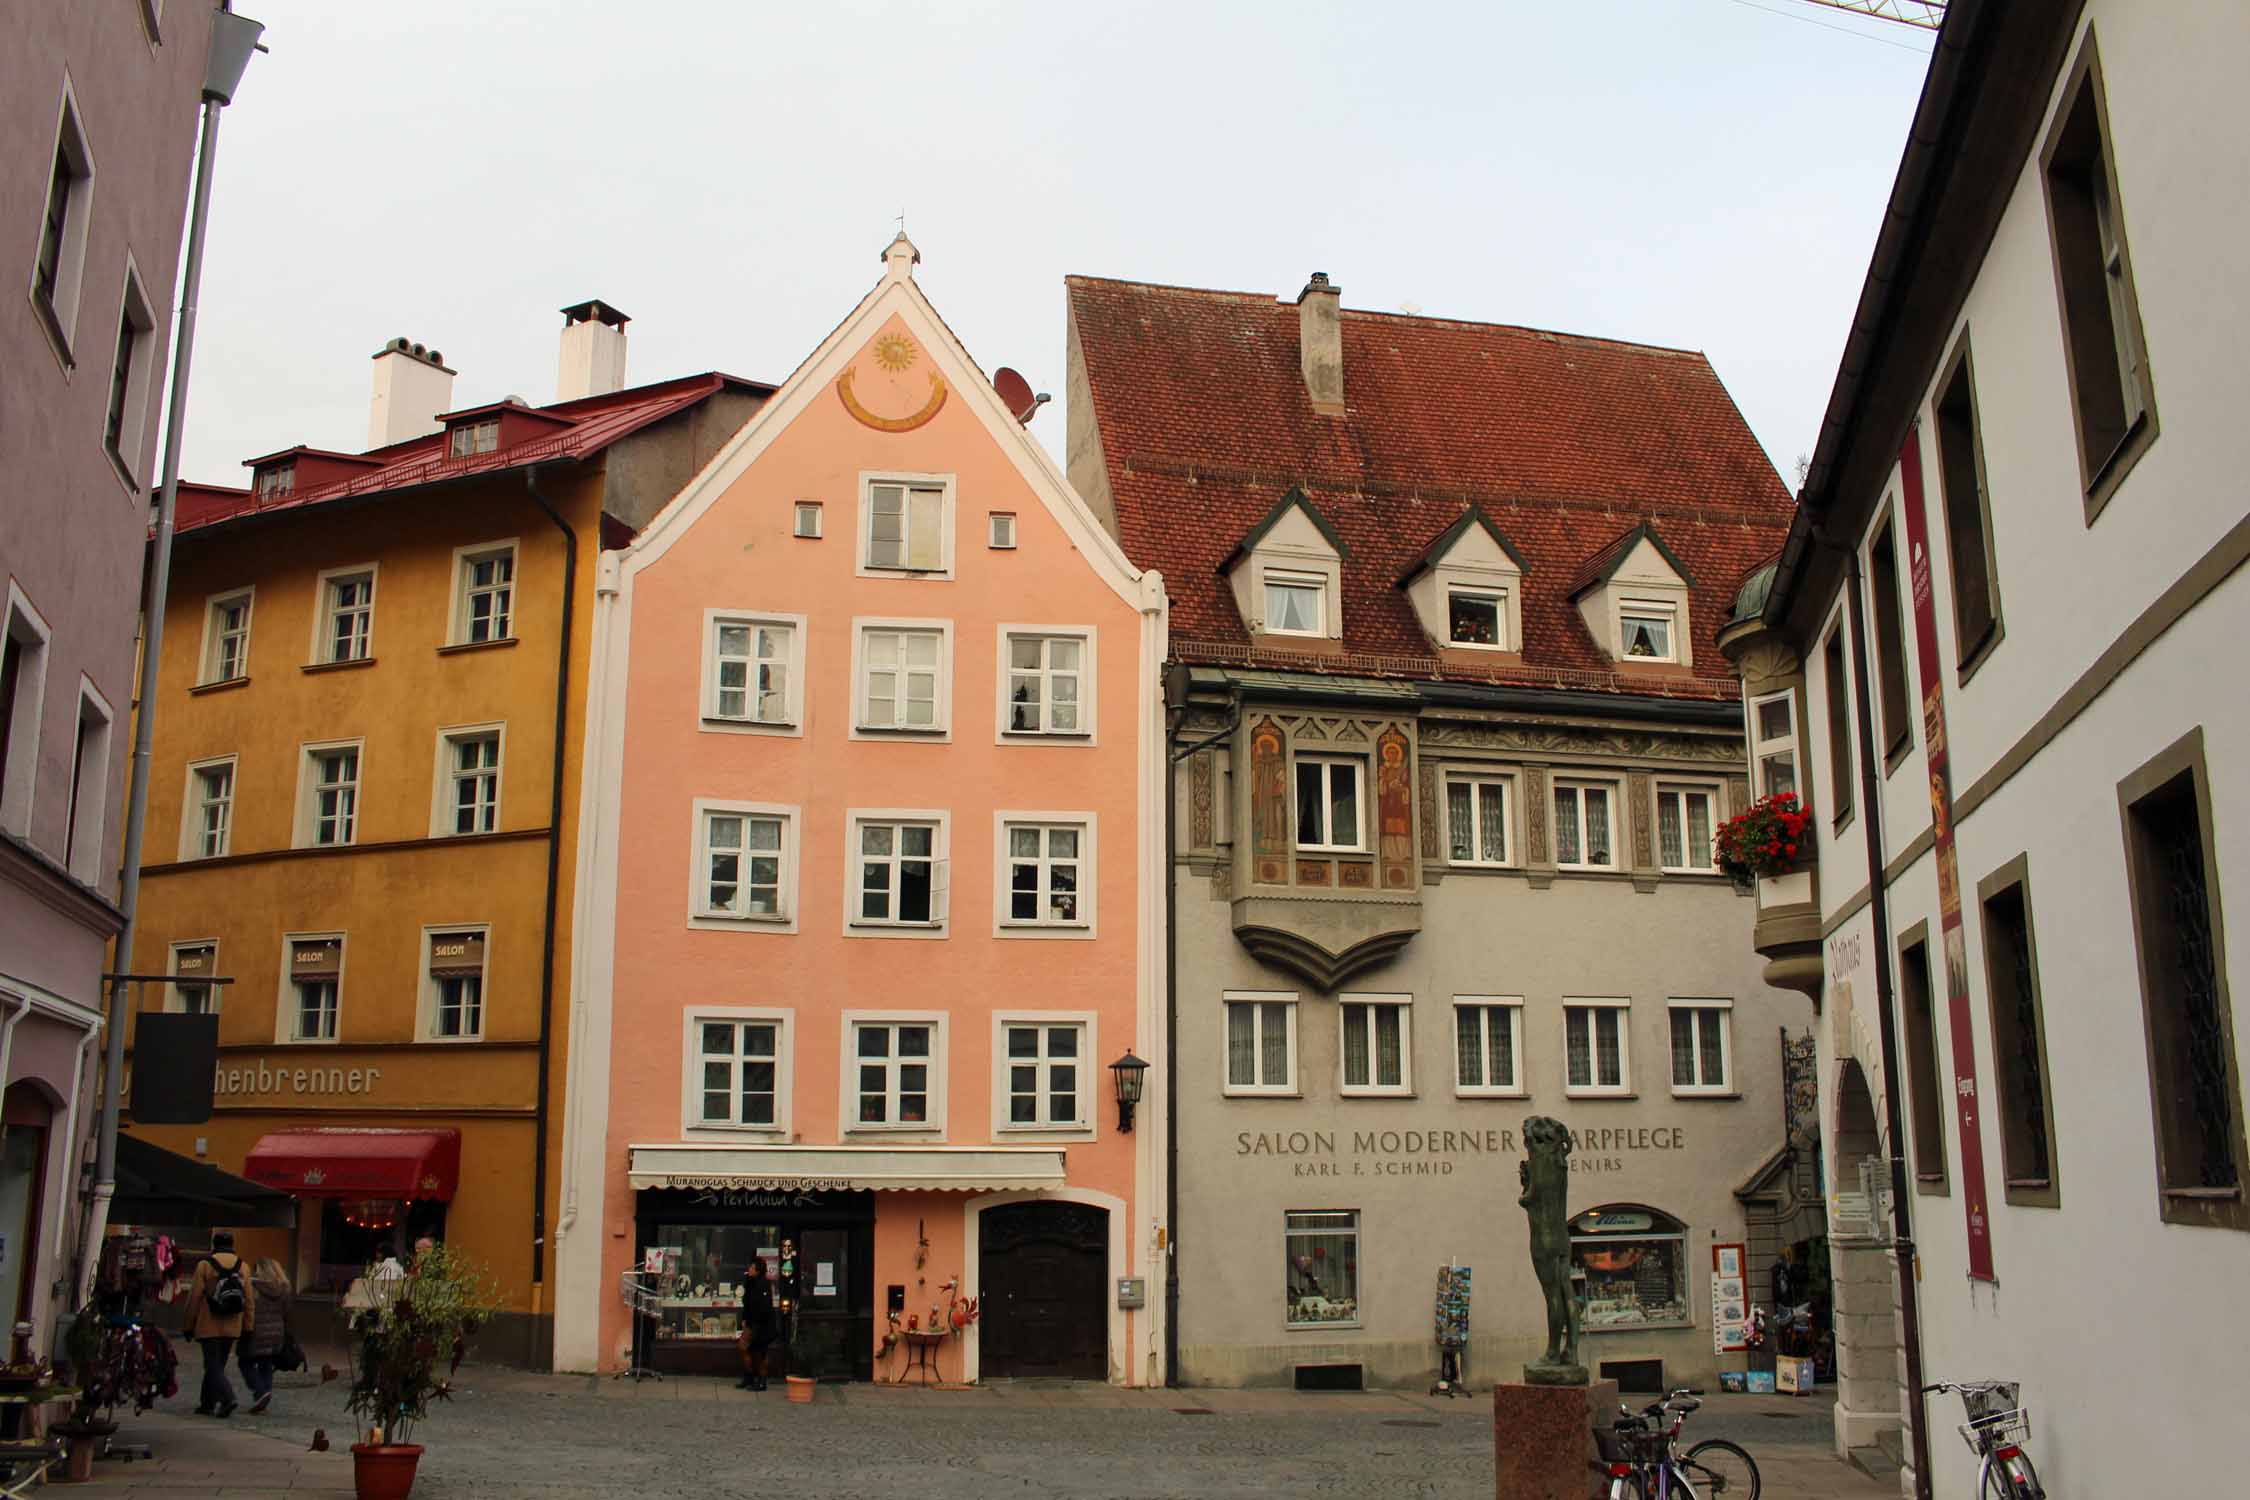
point(1963, 1050)
point(1730, 1300)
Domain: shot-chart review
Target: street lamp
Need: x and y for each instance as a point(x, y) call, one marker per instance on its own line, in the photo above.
point(1128, 1073)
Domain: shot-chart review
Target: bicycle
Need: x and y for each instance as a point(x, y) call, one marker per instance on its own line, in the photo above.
point(1997, 1429)
point(1641, 1453)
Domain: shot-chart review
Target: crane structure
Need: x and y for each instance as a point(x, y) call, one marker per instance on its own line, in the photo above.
point(1925, 15)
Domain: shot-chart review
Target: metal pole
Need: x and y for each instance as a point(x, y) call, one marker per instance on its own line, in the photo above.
point(155, 586)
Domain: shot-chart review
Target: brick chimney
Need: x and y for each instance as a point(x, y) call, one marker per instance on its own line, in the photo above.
point(412, 386)
point(593, 351)
point(1320, 344)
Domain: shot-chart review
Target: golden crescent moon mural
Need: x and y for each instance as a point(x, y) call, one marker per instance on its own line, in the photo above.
point(867, 418)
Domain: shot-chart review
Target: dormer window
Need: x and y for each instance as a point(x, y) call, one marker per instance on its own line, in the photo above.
point(469, 438)
point(1296, 604)
point(1644, 629)
point(1633, 596)
point(279, 480)
point(1477, 618)
point(1467, 588)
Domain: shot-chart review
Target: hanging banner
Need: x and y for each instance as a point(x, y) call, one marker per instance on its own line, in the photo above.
point(1948, 864)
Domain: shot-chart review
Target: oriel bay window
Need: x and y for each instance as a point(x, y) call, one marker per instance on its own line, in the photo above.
point(1583, 825)
point(1596, 1047)
point(1685, 816)
point(1045, 866)
point(1261, 1043)
point(1375, 1047)
point(738, 1071)
point(1476, 820)
point(1773, 753)
point(745, 861)
point(1320, 1276)
point(1700, 1062)
point(456, 989)
point(901, 872)
point(894, 1071)
point(1045, 1081)
point(1635, 1260)
point(1328, 802)
point(1487, 1041)
point(314, 988)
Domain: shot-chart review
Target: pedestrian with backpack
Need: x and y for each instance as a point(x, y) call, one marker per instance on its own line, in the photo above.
point(219, 1311)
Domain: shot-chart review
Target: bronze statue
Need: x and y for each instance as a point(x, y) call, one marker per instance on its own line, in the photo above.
point(1545, 1174)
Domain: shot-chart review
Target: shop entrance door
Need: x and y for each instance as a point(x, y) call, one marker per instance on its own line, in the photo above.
point(1044, 1268)
point(835, 1305)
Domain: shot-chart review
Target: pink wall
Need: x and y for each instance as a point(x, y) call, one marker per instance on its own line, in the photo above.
point(741, 554)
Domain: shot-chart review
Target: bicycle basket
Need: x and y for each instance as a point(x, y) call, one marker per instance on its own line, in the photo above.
point(2008, 1429)
point(1628, 1445)
point(1985, 1402)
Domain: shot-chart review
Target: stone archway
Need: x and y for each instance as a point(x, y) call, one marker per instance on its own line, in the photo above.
point(1863, 1273)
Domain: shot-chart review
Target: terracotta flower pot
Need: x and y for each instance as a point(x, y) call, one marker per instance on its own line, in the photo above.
point(384, 1471)
point(801, 1389)
point(85, 1441)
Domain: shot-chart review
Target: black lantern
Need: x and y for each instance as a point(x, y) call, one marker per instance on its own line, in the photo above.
point(1128, 1073)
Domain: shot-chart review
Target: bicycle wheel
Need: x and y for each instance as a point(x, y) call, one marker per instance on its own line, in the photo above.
point(1721, 1470)
point(2012, 1479)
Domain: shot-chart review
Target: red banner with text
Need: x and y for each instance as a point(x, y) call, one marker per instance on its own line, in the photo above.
point(1948, 864)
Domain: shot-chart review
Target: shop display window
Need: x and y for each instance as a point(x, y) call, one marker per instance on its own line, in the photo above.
point(1635, 1260)
point(1321, 1268)
point(698, 1274)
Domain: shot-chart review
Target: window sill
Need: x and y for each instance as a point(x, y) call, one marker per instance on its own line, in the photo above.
point(1046, 736)
point(742, 919)
point(1043, 930)
point(1721, 1095)
point(1563, 869)
point(338, 666)
point(50, 324)
point(936, 1130)
point(1245, 1093)
point(1896, 755)
point(123, 471)
point(1349, 1326)
point(902, 731)
point(220, 685)
point(1332, 851)
point(307, 1041)
point(1689, 872)
point(725, 721)
point(2103, 484)
point(1599, 1094)
point(450, 1041)
point(880, 929)
point(728, 1129)
point(1462, 1093)
point(1843, 820)
point(1483, 867)
point(456, 648)
point(1633, 1327)
point(1046, 1132)
point(1978, 654)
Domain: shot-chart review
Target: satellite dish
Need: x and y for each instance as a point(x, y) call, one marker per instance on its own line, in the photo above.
point(1016, 392)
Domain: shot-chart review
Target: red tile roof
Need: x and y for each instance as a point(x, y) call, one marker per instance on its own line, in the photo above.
point(1565, 443)
point(589, 424)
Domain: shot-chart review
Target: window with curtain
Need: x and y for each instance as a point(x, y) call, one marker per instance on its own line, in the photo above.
point(1582, 825)
point(1476, 821)
point(1699, 1048)
point(1486, 1044)
point(1594, 1041)
point(1374, 1045)
point(1685, 816)
point(1261, 1046)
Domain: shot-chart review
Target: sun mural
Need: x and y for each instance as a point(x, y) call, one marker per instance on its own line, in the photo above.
point(895, 352)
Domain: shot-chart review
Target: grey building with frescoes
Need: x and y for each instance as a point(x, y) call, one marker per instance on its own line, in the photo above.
point(1451, 742)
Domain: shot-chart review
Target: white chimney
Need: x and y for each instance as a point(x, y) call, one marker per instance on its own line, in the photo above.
point(412, 387)
point(1320, 344)
point(593, 351)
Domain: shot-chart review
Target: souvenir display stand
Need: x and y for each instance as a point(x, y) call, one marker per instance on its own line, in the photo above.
point(643, 1295)
point(1452, 1330)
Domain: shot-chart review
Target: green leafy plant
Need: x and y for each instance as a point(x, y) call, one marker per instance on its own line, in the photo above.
point(1766, 838)
point(408, 1344)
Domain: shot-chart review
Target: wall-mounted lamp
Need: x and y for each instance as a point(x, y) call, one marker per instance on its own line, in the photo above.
point(1128, 1072)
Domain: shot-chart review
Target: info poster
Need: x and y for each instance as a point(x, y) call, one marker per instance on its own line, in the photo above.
point(1948, 864)
point(1730, 1300)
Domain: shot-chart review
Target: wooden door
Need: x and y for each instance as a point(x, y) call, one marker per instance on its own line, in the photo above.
point(1044, 1272)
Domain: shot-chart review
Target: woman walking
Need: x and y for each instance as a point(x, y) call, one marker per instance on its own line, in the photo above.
point(261, 1347)
point(758, 1325)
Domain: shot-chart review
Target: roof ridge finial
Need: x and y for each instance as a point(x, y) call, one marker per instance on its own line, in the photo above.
point(899, 256)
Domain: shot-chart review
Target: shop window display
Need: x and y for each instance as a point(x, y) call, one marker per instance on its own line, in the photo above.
point(698, 1271)
point(1635, 1260)
point(1321, 1270)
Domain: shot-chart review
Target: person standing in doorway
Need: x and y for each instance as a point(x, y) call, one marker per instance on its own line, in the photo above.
point(219, 1311)
point(758, 1324)
point(261, 1345)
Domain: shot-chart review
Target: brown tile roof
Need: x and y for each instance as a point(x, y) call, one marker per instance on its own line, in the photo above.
point(1565, 444)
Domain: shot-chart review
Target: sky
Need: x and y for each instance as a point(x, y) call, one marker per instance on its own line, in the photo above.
point(1706, 174)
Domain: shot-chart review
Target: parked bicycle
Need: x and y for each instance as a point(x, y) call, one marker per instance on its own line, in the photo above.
point(1642, 1453)
point(1999, 1426)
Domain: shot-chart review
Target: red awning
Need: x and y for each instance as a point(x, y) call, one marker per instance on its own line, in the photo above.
point(336, 1162)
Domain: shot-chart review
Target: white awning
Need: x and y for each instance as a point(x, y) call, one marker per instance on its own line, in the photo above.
point(814, 1169)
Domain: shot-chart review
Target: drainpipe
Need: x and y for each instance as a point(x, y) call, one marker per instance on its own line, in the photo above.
point(1879, 909)
point(554, 883)
point(233, 38)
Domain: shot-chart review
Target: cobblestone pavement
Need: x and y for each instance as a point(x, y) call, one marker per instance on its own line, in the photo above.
point(509, 1435)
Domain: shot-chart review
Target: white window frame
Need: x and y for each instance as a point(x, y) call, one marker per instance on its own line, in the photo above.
point(848, 1099)
point(1614, 790)
point(693, 1124)
point(1003, 679)
point(214, 635)
point(441, 792)
point(1294, 578)
point(941, 849)
point(701, 913)
point(808, 511)
point(1479, 782)
point(1370, 1003)
point(1511, 1006)
point(1684, 787)
point(308, 791)
point(19, 792)
point(1675, 620)
point(87, 794)
point(426, 1021)
point(1089, 1104)
point(1789, 744)
point(1287, 1088)
point(285, 1002)
point(1498, 595)
point(191, 807)
point(791, 724)
point(1004, 925)
point(78, 217)
point(1702, 1007)
point(324, 612)
point(1000, 530)
point(1358, 766)
point(174, 1002)
point(942, 708)
point(944, 483)
point(132, 428)
point(464, 559)
point(1596, 1089)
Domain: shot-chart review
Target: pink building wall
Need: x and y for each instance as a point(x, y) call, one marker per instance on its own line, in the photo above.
point(727, 544)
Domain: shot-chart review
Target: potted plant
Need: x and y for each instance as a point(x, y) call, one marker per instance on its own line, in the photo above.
point(1766, 838)
point(407, 1342)
point(102, 1385)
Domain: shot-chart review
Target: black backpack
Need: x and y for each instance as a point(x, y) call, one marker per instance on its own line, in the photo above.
point(227, 1299)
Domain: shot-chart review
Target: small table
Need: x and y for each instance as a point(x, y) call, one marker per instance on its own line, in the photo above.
point(921, 1354)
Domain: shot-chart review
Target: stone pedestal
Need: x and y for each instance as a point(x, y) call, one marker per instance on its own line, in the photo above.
point(1543, 1440)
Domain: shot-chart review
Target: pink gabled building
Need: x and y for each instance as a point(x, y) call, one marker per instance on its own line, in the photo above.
point(869, 901)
